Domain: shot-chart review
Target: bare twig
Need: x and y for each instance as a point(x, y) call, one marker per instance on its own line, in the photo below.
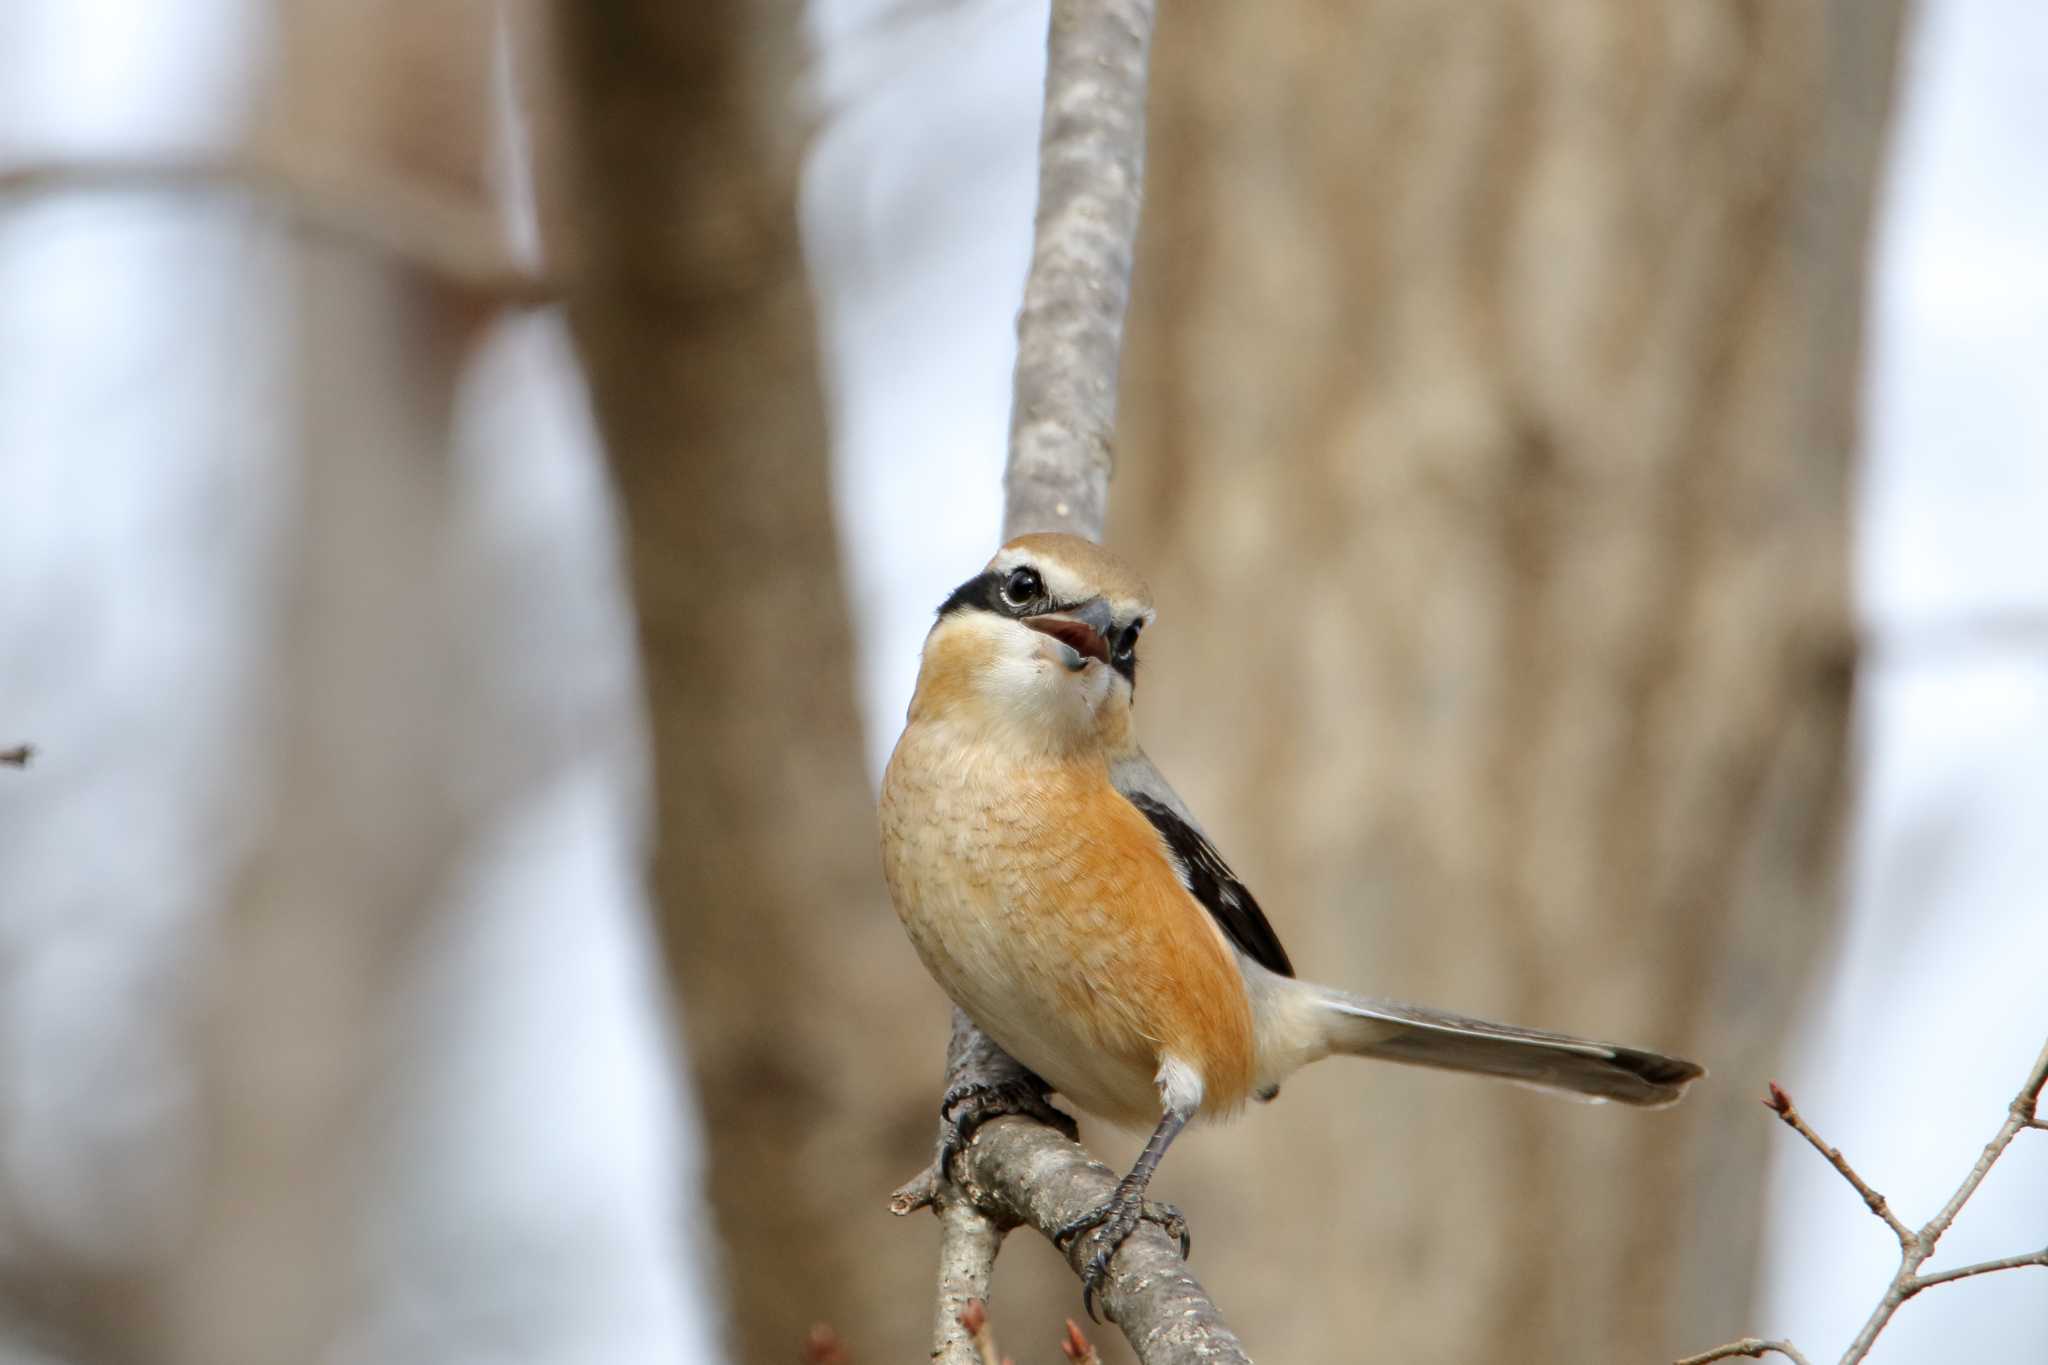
point(2019, 1114)
point(1915, 1247)
point(1781, 1103)
point(18, 756)
point(1753, 1347)
point(2039, 1258)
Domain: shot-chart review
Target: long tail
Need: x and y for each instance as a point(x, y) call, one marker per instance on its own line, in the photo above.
point(1415, 1034)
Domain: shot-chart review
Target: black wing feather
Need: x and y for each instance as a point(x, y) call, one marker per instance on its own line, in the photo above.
point(1216, 886)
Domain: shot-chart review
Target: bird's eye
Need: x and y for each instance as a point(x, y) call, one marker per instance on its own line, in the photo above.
point(1127, 642)
point(1023, 587)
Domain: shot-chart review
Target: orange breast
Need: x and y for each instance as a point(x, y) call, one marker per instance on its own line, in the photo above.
point(1045, 905)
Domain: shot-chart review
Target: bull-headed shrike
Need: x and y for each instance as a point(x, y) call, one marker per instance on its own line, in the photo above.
point(1070, 904)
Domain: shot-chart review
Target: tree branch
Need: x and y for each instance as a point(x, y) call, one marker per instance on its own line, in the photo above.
point(1781, 1103)
point(968, 1242)
point(1915, 1248)
point(2039, 1258)
point(1069, 340)
point(1021, 1172)
point(2019, 1114)
point(1091, 162)
point(1752, 1347)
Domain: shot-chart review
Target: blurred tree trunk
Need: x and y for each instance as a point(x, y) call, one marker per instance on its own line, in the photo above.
point(367, 100)
point(1487, 432)
point(694, 314)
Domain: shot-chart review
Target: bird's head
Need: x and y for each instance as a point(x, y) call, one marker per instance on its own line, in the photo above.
point(1040, 647)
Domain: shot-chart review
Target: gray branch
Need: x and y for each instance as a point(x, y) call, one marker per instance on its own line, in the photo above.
point(968, 1242)
point(1908, 1281)
point(1017, 1171)
point(1091, 166)
point(1752, 1348)
point(1091, 162)
point(1915, 1246)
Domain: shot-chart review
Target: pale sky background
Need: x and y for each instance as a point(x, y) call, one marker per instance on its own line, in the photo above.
point(143, 501)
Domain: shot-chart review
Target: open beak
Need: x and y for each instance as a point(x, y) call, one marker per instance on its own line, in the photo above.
point(1083, 630)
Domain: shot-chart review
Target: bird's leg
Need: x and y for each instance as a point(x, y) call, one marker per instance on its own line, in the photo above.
point(1118, 1216)
point(984, 1082)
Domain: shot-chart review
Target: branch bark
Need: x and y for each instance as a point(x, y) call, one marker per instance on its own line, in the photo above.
point(1751, 1347)
point(1020, 1172)
point(1069, 341)
point(1091, 164)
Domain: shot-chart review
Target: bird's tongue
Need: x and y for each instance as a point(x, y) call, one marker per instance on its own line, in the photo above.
point(1076, 635)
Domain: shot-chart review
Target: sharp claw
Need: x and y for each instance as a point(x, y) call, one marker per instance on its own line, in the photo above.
point(1174, 1222)
point(1091, 1280)
point(1118, 1217)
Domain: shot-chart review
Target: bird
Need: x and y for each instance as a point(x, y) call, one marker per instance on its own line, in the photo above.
point(1072, 906)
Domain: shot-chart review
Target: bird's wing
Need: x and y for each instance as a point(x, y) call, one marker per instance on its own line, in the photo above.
point(1202, 869)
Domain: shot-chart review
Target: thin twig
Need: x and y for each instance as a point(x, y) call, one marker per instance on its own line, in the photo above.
point(1753, 1347)
point(1781, 1103)
point(1921, 1282)
point(1907, 1282)
point(18, 756)
point(1077, 1348)
point(2019, 1114)
point(1915, 1248)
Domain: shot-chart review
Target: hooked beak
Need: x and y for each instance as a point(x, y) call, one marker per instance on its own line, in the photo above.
point(1084, 630)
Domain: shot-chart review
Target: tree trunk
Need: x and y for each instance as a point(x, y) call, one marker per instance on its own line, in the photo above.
point(1486, 434)
point(694, 313)
point(358, 822)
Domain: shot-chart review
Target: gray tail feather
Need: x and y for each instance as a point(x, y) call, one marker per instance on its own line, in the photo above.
point(1396, 1032)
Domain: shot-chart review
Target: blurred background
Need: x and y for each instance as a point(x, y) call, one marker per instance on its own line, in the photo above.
point(476, 477)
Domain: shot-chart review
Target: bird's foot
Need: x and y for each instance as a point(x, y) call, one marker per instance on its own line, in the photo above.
point(969, 1103)
point(1114, 1220)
